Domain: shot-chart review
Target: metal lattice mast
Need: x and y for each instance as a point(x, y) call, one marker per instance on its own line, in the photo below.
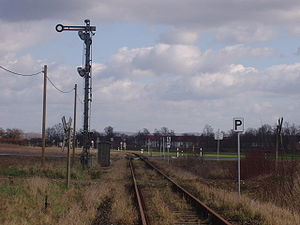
point(85, 33)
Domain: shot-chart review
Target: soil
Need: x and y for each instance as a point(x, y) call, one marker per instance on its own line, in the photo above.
point(104, 213)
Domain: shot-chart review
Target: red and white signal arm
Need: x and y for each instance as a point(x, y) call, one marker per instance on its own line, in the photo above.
point(238, 124)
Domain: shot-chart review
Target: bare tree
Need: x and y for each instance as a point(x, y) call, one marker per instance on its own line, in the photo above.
point(164, 131)
point(208, 131)
point(109, 131)
point(13, 133)
point(2, 132)
point(55, 134)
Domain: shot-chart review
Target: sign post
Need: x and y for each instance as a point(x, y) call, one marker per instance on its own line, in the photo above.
point(218, 137)
point(168, 147)
point(238, 126)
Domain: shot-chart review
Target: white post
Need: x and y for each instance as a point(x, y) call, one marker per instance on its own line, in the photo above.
point(218, 148)
point(160, 146)
point(164, 147)
point(148, 143)
point(239, 165)
point(238, 126)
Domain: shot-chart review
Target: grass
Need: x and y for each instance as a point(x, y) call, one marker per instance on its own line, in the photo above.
point(240, 210)
point(184, 154)
point(24, 186)
point(223, 155)
point(157, 193)
point(52, 171)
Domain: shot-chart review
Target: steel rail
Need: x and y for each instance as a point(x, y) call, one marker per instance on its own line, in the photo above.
point(214, 217)
point(141, 204)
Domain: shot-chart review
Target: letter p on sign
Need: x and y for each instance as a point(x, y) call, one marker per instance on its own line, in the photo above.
point(238, 124)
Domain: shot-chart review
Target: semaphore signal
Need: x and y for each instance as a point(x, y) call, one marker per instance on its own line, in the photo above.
point(85, 33)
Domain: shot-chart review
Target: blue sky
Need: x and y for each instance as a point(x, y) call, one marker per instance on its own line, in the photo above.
point(176, 64)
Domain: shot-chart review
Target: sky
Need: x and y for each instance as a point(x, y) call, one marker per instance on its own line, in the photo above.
point(172, 63)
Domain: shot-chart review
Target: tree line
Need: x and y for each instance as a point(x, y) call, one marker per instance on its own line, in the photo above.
point(263, 137)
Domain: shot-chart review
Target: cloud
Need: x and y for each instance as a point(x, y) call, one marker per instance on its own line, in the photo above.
point(176, 60)
point(35, 10)
point(135, 83)
point(21, 98)
point(151, 86)
point(207, 14)
point(16, 36)
point(179, 37)
point(173, 82)
point(246, 33)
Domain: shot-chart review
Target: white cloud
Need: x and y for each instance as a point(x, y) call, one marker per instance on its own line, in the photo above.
point(245, 33)
point(21, 98)
point(233, 21)
point(172, 83)
point(133, 86)
point(177, 60)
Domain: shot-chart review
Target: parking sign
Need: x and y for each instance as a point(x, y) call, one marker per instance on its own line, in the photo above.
point(238, 124)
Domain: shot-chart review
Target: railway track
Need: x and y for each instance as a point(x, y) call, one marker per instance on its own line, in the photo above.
point(184, 208)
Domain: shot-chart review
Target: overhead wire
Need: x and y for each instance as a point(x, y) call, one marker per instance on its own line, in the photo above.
point(65, 92)
point(20, 74)
point(34, 74)
point(79, 99)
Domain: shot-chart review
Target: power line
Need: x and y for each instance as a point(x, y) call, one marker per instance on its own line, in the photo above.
point(79, 99)
point(20, 74)
point(65, 92)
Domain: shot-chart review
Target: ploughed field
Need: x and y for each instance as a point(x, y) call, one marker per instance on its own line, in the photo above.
point(31, 194)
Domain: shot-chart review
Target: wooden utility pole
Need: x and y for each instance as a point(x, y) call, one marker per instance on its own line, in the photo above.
point(67, 140)
point(74, 125)
point(69, 157)
point(44, 115)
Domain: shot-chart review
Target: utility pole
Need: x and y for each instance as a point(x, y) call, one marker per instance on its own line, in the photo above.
point(85, 33)
point(74, 125)
point(44, 115)
point(67, 140)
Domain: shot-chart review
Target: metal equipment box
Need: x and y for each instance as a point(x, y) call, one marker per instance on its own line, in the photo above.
point(104, 153)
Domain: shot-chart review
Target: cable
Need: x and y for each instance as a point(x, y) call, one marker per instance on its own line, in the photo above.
point(65, 92)
point(79, 99)
point(20, 74)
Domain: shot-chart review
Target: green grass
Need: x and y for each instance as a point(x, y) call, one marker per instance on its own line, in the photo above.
point(10, 190)
point(12, 171)
point(57, 172)
point(290, 157)
point(157, 153)
point(224, 155)
point(221, 155)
